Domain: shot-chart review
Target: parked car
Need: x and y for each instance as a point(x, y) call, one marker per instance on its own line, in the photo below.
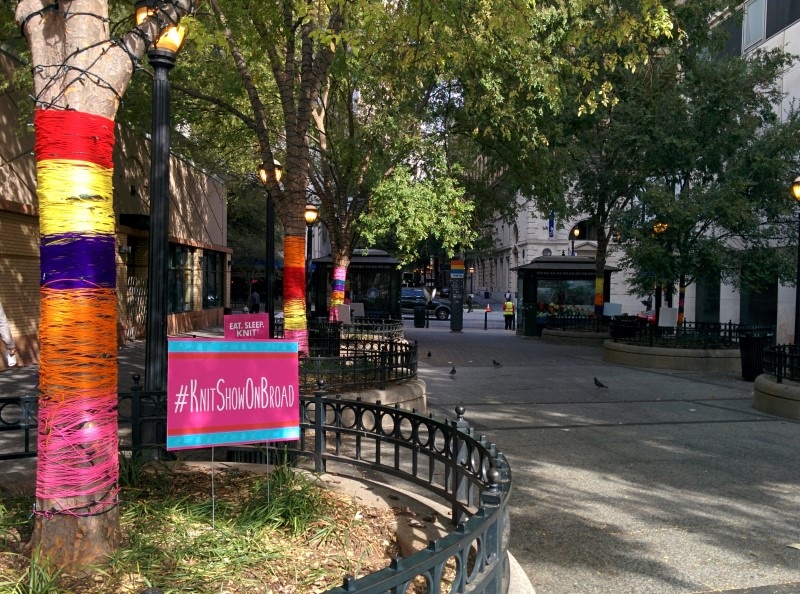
point(412, 297)
point(649, 316)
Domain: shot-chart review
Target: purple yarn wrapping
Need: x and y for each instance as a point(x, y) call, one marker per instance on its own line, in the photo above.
point(73, 261)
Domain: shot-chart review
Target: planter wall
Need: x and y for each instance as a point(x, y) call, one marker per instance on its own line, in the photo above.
point(573, 337)
point(782, 400)
point(718, 360)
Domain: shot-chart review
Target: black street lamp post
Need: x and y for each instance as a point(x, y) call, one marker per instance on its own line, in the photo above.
point(162, 58)
point(796, 194)
point(311, 214)
point(659, 229)
point(269, 273)
point(471, 277)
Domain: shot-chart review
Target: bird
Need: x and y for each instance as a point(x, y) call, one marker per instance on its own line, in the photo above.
point(453, 371)
point(429, 354)
point(496, 363)
point(599, 384)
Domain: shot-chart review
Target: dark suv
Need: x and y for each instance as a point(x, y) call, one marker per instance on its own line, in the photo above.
point(412, 297)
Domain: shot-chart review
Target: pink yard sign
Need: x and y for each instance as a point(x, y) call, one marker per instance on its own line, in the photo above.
point(223, 392)
point(246, 326)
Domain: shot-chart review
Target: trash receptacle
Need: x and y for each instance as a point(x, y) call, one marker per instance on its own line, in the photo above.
point(419, 316)
point(751, 347)
point(529, 311)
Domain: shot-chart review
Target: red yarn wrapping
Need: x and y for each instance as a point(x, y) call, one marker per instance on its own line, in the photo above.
point(74, 136)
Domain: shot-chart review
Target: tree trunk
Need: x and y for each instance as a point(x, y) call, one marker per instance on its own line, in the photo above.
point(340, 264)
point(681, 298)
point(79, 76)
point(600, 270)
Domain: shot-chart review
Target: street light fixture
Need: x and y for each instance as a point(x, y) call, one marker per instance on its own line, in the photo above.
point(796, 194)
point(311, 215)
point(576, 232)
point(161, 56)
point(265, 174)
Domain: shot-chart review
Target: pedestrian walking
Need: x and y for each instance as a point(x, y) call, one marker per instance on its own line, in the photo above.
point(7, 338)
point(507, 296)
point(469, 303)
point(255, 302)
point(508, 314)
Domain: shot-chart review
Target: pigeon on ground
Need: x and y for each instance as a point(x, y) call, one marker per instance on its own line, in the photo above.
point(599, 384)
point(429, 354)
point(496, 363)
point(453, 371)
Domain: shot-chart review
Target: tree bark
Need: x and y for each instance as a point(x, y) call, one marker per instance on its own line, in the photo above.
point(79, 70)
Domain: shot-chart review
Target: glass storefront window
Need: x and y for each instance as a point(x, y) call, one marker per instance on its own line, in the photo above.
point(565, 297)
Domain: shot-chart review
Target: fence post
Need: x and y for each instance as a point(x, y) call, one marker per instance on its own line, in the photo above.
point(29, 419)
point(384, 361)
point(459, 457)
point(136, 414)
point(319, 431)
point(496, 533)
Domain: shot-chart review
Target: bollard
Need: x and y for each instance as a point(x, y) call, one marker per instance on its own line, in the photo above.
point(486, 318)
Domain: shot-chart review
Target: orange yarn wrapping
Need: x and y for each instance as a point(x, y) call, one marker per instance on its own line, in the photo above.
point(79, 349)
point(294, 291)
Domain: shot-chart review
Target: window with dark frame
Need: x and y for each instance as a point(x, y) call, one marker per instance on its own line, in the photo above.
point(212, 279)
point(179, 298)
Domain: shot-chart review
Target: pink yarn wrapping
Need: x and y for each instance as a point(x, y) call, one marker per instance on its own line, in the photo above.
point(74, 450)
point(298, 336)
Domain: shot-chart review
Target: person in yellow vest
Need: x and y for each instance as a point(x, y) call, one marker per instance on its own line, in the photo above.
point(508, 314)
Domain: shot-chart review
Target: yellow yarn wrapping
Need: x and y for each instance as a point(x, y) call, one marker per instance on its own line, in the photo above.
point(75, 197)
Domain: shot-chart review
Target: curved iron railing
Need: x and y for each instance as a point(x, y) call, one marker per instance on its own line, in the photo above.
point(360, 364)
point(446, 459)
point(352, 357)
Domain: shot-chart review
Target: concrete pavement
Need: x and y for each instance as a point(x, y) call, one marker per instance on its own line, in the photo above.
point(663, 482)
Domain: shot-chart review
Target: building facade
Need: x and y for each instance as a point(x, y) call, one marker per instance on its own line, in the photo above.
point(199, 269)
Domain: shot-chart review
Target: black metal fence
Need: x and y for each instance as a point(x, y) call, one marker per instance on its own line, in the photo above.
point(18, 418)
point(360, 365)
point(688, 335)
point(782, 361)
point(582, 323)
point(351, 357)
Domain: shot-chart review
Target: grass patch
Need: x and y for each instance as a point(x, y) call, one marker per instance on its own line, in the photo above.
point(281, 533)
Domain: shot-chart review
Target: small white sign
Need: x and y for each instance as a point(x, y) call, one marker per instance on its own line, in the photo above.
point(668, 317)
point(344, 314)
